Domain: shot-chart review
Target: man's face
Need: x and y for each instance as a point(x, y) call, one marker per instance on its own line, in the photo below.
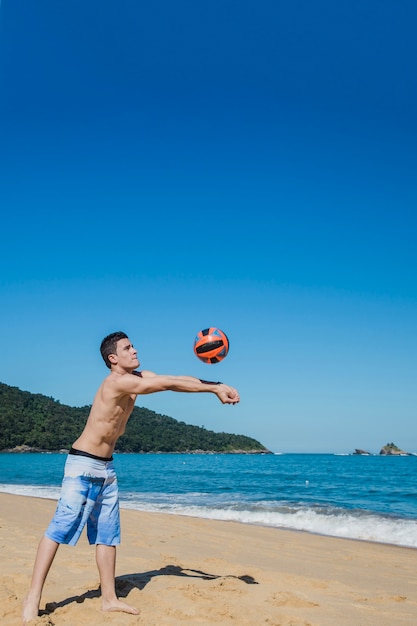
point(126, 354)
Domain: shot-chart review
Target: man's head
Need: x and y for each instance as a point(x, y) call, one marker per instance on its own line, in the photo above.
point(109, 345)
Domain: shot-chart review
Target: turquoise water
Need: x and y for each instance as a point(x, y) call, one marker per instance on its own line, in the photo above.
point(373, 498)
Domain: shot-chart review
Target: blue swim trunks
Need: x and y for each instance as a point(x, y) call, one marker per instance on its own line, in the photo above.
point(89, 495)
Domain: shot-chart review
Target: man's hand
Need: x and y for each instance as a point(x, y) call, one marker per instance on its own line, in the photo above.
point(226, 394)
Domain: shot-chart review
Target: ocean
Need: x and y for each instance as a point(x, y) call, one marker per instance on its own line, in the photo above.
point(370, 498)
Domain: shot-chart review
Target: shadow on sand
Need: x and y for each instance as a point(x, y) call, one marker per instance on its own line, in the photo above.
point(127, 582)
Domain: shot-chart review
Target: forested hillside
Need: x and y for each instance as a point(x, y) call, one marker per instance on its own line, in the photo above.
point(43, 423)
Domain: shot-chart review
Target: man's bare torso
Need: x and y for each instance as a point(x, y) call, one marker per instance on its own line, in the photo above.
point(109, 414)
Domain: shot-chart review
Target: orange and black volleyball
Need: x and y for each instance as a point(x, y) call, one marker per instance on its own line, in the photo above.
point(211, 345)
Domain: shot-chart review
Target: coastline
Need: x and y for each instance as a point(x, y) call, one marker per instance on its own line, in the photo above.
point(180, 570)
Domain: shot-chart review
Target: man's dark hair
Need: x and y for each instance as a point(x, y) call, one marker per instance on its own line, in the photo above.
point(108, 345)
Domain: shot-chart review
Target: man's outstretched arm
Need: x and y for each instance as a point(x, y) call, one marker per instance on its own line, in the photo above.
point(153, 383)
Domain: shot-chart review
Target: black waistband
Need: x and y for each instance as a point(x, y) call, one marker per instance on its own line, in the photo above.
point(90, 456)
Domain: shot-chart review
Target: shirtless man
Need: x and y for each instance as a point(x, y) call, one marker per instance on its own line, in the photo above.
point(89, 494)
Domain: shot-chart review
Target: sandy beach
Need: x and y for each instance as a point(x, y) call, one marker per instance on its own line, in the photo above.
point(183, 570)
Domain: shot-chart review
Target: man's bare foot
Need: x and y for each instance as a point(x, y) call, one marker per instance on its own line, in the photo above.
point(118, 605)
point(30, 609)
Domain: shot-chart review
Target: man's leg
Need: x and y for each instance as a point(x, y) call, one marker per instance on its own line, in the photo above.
point(44, 558)
point(106, 563)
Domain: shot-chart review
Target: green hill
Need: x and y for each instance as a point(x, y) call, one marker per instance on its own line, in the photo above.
point(39, 422)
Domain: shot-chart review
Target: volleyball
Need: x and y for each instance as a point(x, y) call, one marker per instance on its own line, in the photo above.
point(211, 345)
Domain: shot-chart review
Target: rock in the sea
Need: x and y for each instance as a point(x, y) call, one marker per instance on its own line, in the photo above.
point(392, 450)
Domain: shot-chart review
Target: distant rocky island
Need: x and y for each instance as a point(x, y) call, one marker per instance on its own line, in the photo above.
point(390, 449)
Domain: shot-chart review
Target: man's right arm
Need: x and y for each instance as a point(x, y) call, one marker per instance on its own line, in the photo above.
point(153, 383)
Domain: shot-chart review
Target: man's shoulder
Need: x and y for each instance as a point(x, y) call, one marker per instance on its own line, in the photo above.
point(113, 383)
point(121, 383)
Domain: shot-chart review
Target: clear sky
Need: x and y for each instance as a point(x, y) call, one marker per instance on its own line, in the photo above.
point(252, 165)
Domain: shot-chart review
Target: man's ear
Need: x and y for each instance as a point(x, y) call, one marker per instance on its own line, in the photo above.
point(113, 359)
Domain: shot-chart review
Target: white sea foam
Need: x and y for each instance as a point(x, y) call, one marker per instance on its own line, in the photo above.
point(338, 523)
point(366, 527)
point(38, 491)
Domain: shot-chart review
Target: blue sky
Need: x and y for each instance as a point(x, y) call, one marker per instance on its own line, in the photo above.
point(165, 167)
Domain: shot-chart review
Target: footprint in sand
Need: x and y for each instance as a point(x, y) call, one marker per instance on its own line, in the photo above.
point(285, 598)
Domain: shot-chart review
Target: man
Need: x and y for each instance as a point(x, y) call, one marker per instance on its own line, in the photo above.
point(89, 489)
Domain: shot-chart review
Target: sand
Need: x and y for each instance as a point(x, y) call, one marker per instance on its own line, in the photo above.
point(184, 570)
